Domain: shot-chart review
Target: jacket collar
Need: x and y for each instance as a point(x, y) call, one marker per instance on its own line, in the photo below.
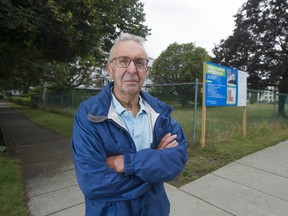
point(101, 104)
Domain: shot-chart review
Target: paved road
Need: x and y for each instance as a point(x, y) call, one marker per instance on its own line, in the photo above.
point(256, 185)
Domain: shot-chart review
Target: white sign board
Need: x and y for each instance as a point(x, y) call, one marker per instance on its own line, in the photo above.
point(242, 88)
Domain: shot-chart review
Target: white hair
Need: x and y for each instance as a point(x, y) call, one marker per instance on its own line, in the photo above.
point(126, 37)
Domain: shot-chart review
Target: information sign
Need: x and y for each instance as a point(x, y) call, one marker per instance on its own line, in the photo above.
point(222, 86)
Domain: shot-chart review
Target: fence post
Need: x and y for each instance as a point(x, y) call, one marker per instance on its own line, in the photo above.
point(195, 112)
point(72, 103)
point(61, 100)
point(203, 122)
point(244, 124)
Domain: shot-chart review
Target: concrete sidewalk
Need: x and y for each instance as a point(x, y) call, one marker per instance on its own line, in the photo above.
point(252, 186)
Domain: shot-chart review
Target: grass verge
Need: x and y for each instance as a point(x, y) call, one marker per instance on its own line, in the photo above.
point(214, 156)
point(12, 194)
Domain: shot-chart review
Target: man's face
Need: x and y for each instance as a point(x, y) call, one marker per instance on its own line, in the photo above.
point(127, 81)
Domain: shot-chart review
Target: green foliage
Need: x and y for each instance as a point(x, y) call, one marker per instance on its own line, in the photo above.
point(259, 45)
point(67, 76)
point(36, 32)
point(23, 101)
point(179, 63)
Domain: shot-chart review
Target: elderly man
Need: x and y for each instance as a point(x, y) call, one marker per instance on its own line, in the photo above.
point(125, 143)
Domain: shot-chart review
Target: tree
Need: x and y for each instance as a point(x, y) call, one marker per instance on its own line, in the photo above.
point(179, 63)
point(67, 76)
point(39, 32)
point(259, 45)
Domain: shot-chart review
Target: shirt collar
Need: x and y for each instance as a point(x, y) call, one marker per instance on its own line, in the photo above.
point(120, 109)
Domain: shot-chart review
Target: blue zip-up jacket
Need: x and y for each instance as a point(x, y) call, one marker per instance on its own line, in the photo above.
point(98, 134)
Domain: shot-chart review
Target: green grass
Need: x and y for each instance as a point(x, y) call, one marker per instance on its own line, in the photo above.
point(11, 191)
point(61, 124)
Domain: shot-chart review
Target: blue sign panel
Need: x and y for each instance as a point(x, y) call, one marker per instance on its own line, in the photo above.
point(221, 85)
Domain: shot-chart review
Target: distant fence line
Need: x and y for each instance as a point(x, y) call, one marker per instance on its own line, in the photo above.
point(180, 94)
point(263, 108)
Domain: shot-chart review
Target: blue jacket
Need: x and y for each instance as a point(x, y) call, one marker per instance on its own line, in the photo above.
point(140, 189)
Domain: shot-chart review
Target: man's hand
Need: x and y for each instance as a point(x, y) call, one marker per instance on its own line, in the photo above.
point(168, 141)
point(116, 163)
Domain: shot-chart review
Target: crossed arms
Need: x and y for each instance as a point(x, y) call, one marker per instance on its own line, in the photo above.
point(117, 162)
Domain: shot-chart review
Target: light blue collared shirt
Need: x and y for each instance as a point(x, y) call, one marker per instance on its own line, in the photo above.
point(138, 127)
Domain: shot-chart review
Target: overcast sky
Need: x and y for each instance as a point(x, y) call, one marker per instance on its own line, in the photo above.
point(203, 22)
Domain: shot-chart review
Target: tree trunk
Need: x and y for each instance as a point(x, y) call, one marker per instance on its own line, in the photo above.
point(281, 105)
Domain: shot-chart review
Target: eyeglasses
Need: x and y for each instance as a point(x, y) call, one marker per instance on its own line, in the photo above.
point(124, 62)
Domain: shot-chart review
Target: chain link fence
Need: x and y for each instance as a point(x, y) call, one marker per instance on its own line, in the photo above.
point(222, 123)
point(61, 102)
